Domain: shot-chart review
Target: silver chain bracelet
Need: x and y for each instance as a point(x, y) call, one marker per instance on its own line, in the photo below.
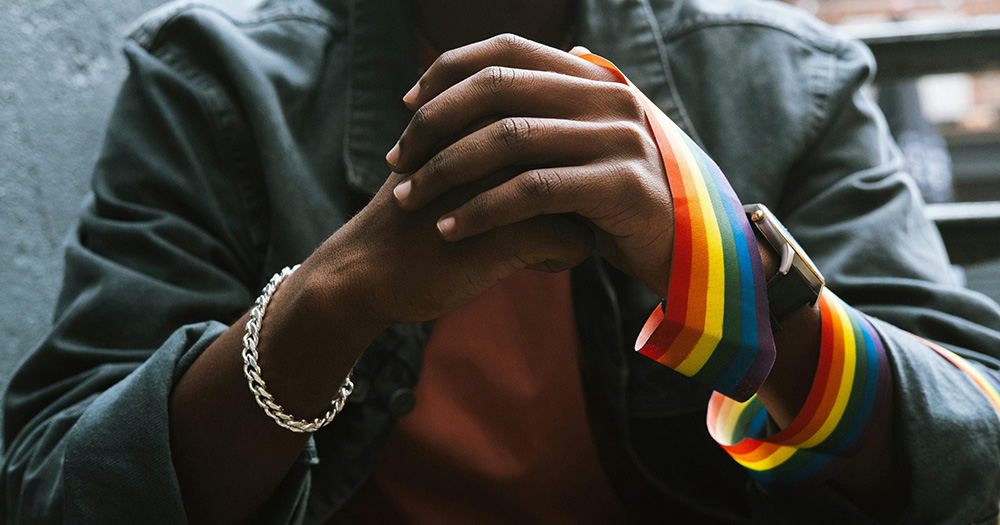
point(252, 370)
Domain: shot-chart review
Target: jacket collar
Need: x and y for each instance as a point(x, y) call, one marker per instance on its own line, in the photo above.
point(384, 67)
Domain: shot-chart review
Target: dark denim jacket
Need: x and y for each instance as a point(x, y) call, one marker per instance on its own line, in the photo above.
point(243, 138)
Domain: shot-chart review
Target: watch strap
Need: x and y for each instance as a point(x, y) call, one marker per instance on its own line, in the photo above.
point(786, 293)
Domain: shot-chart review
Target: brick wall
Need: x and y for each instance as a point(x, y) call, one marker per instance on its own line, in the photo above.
point(848, 11)
point(979, 92)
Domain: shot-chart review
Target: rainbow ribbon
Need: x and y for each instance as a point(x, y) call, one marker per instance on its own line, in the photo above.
point(714, 325)
point(988, 384)
point(850, 389)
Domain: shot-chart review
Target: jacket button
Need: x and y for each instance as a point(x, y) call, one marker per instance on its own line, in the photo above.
point(402, 402)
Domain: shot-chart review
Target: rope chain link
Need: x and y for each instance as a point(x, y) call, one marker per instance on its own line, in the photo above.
point(252, 370)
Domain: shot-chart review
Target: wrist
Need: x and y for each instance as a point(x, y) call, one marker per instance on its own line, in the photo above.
point(785, 390)
point(341, 298)
point(768, 256)
point(311, 337)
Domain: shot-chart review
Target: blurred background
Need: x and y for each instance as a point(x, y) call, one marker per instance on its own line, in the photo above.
point(60, 66)
point(938, 83)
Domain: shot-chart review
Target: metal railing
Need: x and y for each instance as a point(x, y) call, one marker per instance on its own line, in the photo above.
point(909, 49)
point(926, 47)
point(971, 230)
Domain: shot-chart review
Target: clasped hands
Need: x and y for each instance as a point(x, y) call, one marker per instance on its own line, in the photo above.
point(522, 156)
point(578, 136)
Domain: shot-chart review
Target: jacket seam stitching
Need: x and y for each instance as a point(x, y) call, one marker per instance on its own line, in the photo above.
point(217, 110)
point(824, 100)
point(825, 96)
point(828, 44)
point(661, 48)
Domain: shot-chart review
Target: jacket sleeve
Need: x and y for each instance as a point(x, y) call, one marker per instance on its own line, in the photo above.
point(861, 219)
point(161, 261)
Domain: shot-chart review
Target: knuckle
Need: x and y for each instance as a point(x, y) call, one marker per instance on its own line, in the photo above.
point(617, 90)
point(495, 80)
point(620, 173)
point(627, 177)
point(620, 100)
point(630, 135)
point(476, 212)
point(421, 119)
point(509, 45)
point(446, 61)
point(514, 131)
point(540, 185)
point(627, 103)
point(437, 166)
point(508, 41)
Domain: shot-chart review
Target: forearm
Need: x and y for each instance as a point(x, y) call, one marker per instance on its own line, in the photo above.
point(228, 454)
point(872, 478)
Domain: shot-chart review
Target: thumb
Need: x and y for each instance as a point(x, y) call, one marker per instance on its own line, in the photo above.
point(550, 243)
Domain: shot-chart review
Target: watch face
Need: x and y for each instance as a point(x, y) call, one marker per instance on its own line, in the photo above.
point(778, 237)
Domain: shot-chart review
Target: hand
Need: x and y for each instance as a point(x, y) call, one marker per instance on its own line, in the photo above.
point(577, 138)
point(390, 266)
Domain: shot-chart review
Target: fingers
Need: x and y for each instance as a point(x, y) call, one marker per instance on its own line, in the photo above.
point(501, 90)
point(552, 243)
point(502, 50)
point(393, 180)
point(595, 192)
point(518, 141)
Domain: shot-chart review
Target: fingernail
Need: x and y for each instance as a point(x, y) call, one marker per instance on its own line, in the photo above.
point(402, 191)
point(411, 96)
point(579, 50)
point(393, 156)
point(446, 225)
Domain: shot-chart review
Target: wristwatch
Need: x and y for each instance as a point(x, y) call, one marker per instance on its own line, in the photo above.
point(798, 281)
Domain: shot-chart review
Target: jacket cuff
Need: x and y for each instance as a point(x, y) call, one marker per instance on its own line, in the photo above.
point(849, 391)
point(118, 461)
point(949, 434)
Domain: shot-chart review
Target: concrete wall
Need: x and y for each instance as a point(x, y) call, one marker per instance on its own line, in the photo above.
point(60, 68)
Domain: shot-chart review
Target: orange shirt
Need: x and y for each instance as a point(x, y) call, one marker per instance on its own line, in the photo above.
point(499, 433)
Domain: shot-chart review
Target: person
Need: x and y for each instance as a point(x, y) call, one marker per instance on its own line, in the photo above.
point(529, 207)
